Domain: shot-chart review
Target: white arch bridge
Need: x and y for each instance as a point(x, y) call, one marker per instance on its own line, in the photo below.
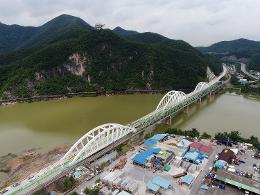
point(107, 136)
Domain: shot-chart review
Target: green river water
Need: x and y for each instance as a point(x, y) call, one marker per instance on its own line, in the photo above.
point(48, 124)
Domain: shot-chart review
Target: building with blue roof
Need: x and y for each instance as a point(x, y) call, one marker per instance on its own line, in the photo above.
point(153, 187)
point(162, 182)
point(159, 137)
point(150, 142)
point(192, 156)
point(184, 143)
point(220, 164)
point(142, 157)
point(187, 179)
point(153, 140)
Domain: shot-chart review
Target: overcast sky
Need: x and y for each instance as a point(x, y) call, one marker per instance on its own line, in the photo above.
point(199, 22)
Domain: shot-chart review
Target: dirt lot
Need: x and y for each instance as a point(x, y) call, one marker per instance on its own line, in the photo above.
point(24, 165)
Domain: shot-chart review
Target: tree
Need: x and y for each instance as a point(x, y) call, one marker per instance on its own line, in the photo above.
point(234, 136)
point(91, 192)
point(194, 133)
point(74, 193)
point(205, 136)
point(41, 192)
point(68, 183)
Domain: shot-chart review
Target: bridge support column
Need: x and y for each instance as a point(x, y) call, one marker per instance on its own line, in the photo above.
point(136, 139)
point(168, 120)
point(187, 109)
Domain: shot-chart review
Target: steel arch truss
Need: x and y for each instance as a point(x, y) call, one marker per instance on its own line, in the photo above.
point(95, 140)
point(201, 86)
point(171, 98)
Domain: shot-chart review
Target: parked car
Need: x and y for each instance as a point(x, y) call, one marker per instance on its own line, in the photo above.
point(222, 186)
point(16, 184)
point(3, 191)
point(30, 177)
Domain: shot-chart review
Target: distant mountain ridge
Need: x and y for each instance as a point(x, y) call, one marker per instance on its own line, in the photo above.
point(13, 37)
point(68, 55)
point(241, 48)
point(237, 45)
point(123, 33)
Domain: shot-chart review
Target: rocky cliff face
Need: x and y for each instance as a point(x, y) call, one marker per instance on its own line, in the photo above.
point(77, 64)
point(100, 60)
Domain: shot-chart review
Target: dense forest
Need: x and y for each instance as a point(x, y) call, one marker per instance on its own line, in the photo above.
point(68, 55)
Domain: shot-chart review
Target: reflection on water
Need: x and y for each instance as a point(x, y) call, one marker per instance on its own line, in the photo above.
point(226, 113)
point(48, 124)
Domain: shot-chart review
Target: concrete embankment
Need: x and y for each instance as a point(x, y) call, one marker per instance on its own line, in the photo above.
point(78, 94)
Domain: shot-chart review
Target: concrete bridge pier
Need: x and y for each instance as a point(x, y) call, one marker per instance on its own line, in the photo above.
point(137, 138)
point(187, 109)
point(168, 120)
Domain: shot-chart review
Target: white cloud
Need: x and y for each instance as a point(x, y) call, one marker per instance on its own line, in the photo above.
point(199, 22)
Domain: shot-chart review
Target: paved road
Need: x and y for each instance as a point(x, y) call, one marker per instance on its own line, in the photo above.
point(79, 189)
point(198, 181)
point(243, 69)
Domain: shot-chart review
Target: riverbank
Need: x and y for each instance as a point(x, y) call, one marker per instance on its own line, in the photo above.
point(238, 91)
point(19, 167)
point(78, 94)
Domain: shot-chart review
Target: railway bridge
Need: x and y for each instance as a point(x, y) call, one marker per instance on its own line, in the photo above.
point(103, 138)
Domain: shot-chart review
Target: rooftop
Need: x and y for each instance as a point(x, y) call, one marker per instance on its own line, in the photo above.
point(239, 181)
point(152, 186)
point(227, 155)
point(162, 182)
point(142, 157)
point(187, 179)
point(201, 147)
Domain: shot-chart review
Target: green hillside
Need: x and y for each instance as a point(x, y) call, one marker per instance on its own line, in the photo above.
point(83, 59)
point(16, 37)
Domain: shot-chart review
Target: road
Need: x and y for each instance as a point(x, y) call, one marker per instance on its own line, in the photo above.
point(243, 69)
point(198, 181)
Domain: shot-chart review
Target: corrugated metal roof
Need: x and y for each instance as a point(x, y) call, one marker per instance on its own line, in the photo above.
point(201, 147)
point(149, 143)
point(237, 180)
point(142, 157)
point(187, 179)
point(184, 143)
point(193, 156)
point(158, 137)
point(160, 181)
point(220, 164)
point(152, 186)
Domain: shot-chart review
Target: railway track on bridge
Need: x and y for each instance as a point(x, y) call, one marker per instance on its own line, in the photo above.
point(104, 138)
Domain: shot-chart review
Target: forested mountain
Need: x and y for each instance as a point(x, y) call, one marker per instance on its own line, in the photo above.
point(13, 37)
point(124, 33)
point(238, 45)
point(68, 55)
point(241, 48)
point(175, 45)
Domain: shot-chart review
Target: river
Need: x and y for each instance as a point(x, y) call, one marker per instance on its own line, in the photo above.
point(44, 125)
